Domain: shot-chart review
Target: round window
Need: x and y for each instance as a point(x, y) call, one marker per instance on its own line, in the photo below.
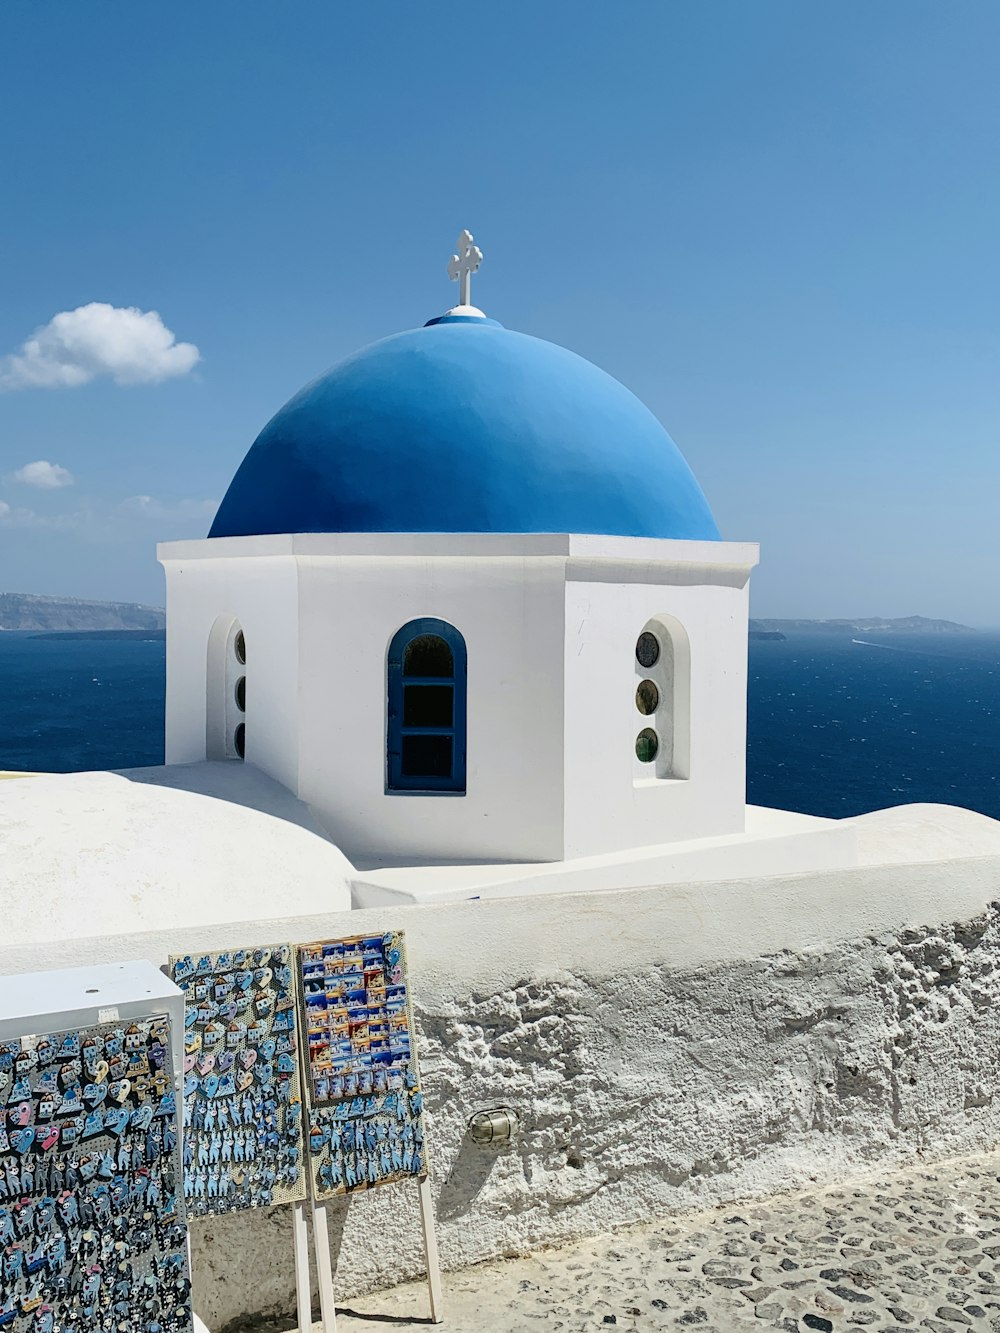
point(241, 694)
point(240, 647)
point(647, 697)
point(240, 740)
point(647, 650)
point(646, 745)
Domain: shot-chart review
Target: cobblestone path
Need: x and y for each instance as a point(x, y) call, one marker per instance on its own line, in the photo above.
point(918, 1249)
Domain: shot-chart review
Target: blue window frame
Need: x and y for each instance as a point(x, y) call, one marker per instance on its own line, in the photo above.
point(425, 733)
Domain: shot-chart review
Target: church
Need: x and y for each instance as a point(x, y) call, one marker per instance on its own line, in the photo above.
point(464, 654)
point(466, 601)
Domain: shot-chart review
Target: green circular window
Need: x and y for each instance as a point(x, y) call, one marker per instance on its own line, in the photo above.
point(240, 647)
point(241, 694)
point(646, 745)
point(647, 650)
point(647, 697)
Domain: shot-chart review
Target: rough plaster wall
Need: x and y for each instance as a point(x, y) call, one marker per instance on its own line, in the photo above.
point(660, 1089)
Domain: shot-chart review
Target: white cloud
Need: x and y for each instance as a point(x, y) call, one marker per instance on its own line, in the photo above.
point(46, 476)
point(4, 508)
point(128, 345)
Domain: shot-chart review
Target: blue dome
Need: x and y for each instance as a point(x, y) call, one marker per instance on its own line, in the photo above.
point(464, 426)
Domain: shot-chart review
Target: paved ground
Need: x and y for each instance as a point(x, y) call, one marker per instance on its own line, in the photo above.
point(896, 1253)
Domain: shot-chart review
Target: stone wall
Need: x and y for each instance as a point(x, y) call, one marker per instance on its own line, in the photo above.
point(661, 1061)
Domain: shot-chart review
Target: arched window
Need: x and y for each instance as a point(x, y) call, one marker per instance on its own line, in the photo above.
point(663, 698)
point(226, 703)
point(425, 733)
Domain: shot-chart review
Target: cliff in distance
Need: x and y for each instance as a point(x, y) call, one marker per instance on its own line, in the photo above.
point(28, 611)
point(866, 625)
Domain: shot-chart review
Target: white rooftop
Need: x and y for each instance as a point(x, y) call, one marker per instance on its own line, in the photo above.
point(208, 843)
point(144, 849)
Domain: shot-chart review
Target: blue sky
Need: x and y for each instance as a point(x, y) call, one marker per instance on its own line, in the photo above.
point(778, 223)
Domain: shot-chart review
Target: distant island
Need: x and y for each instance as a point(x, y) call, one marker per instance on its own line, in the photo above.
point(29, 611)
point(65, 617)
point(144, 635)
point(776, 629)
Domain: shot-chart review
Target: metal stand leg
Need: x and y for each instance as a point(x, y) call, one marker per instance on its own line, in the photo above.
point(324, 1267)
point(303, 1294)
point(430, 1250)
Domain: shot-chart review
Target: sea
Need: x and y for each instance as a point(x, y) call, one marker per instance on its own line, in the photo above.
point(837, 725)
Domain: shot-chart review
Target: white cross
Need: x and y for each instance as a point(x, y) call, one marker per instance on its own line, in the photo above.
point(462, 266)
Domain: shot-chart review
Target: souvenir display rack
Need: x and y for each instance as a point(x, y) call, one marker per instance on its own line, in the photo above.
point(93, 1229)
point(266, 1075)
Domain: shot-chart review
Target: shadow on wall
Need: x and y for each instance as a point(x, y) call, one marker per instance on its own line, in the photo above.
point(469, 1173)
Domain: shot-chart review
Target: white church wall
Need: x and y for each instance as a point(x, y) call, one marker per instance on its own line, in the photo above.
point(696, 786)
point(818, 1025)
point(777, 842)
point(550, 624)
point(205, 597)
point(510, 613)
